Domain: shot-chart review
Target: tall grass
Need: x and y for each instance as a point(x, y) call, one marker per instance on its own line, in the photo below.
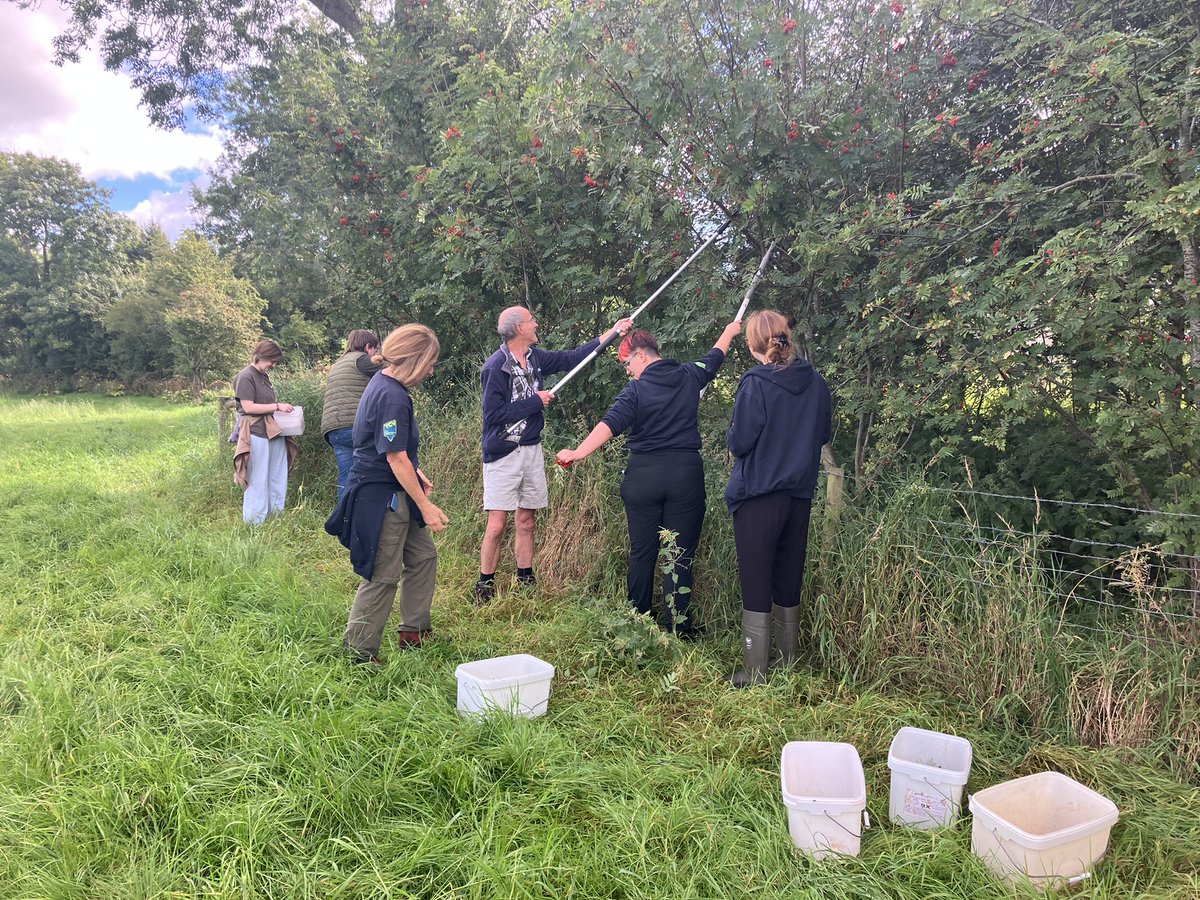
point(975, 616)
point(176, 719)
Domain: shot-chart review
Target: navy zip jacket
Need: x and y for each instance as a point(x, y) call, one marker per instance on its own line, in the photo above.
point(781, 419)
point(499, 410)
point(357, 522)
point(661, 406)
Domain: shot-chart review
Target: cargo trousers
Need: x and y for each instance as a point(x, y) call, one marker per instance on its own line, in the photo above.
point(406, 558)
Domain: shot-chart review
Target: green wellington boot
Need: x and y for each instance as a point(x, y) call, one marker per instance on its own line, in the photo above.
point(756, 649)
point(787, 633)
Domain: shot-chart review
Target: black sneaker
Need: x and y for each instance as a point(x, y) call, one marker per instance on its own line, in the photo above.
point(485, 593)
point(527, 580)
point(688, 631)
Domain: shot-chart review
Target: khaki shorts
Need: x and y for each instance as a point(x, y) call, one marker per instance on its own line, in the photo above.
point(516, 480)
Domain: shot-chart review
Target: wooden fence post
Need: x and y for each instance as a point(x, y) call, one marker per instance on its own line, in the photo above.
point(834, 500)
point(226, 409)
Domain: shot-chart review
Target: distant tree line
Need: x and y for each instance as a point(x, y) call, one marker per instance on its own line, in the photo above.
point(86, 295)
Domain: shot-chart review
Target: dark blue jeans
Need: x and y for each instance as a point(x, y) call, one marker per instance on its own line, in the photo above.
point(342, 442)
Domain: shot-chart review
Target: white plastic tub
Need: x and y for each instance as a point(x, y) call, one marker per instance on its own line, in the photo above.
point(290, 423)
point(518, 684)
point(825, 792)
point(1045, 827)
point(929, 770)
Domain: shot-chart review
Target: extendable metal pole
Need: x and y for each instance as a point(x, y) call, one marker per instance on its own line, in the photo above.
point(608, 342)
point(762, 267)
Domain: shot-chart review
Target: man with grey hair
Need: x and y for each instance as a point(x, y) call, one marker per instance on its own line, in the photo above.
point(514, 471)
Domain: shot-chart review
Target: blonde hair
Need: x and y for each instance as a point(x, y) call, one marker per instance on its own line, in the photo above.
point(768, 335)
point(410, 350)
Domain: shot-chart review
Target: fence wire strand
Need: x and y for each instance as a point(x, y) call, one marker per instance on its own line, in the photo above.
point(974, 533)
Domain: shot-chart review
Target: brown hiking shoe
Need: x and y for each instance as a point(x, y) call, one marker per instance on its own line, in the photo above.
point(412, 640)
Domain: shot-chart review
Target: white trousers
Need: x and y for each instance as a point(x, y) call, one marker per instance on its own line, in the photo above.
point(268, 479)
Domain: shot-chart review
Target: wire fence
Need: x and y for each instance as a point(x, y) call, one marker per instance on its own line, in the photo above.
point(1113, 569)
point(1113, 574)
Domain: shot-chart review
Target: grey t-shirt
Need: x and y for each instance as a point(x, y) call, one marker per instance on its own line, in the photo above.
point(254, 386)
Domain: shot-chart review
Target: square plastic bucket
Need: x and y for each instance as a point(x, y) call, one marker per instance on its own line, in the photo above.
point(1047, 828)
point(518, 684)
point(929, 770)
point(825, 792)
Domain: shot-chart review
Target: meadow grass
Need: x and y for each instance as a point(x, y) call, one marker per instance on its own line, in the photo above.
point(176, 718)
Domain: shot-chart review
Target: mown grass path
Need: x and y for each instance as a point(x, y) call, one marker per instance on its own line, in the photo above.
point(175, 719)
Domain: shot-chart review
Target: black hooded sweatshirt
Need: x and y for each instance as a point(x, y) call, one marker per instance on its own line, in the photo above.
point(782, 416)
point(661, 406)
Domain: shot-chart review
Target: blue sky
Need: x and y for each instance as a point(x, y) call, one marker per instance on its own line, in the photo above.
point(127, 193)
point(81, 113)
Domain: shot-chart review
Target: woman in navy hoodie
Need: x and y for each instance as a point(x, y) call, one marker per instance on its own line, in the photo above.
point(664, 480)
point(782, 416)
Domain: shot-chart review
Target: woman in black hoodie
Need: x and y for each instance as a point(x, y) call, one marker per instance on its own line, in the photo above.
point(664, 480)
point(782, 416)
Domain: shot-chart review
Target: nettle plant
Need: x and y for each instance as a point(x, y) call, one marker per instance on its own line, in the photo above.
point(669, 555)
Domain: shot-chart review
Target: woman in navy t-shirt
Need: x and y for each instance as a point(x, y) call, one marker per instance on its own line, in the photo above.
point(385, 516)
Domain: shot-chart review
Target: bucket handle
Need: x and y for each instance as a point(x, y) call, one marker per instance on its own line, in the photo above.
point(1083, 876)
point(937, 789)
point(866, 823)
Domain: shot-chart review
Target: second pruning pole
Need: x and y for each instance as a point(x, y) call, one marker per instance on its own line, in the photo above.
point(608, 342)
point(762, 267)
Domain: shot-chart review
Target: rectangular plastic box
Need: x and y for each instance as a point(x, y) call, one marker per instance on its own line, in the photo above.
point(1047, 828)
point(290, 423)
point(825, 792)
point(517, 684)
point(929, 770)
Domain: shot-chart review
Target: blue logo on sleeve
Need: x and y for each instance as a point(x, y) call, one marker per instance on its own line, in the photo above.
point(389, 430)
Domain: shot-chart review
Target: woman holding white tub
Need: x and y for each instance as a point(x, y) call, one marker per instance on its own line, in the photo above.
point(263, 456)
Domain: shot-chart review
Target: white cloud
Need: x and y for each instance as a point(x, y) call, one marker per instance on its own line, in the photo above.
point(170, 210)
point(80, 112)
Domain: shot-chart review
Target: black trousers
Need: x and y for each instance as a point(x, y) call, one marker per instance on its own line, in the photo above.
point(771, 533)
point(662, 490)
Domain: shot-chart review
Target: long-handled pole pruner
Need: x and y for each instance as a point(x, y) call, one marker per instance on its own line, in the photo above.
point(608, 342)
point(762, 267)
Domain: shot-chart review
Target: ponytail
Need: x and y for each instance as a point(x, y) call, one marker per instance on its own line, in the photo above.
point(768, 335)
point(779, 349)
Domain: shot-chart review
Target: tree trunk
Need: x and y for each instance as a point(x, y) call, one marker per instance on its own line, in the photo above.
point(1191, 293)
point(341, 13)
point(834, 499)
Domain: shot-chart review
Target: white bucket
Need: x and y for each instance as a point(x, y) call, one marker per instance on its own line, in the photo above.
point(825, 792)
point(518, 684)
point(1045, 827)
point(929, 770)
point(290, 423)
